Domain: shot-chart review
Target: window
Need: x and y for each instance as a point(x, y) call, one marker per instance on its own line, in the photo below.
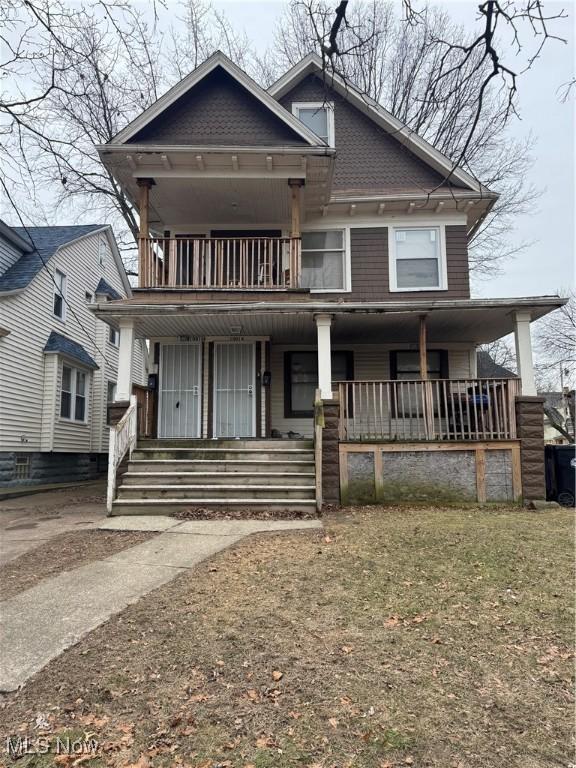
point(319, 117)
point(88, 297)
point(114, 336)
point(405, 366)
point(22, 468)
point(324, 260)
point(301, 379)
point(101, 250)
point(417, 259)
point(59, 306)
point(111, 392)
point(73, 394)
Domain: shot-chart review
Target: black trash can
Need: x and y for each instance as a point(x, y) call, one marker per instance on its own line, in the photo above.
point(561, 474)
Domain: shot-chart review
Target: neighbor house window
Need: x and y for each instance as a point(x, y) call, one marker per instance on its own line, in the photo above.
point(114, 336)
point(111, 392)
point(417, 259)
point(319, 117)
point(73, 394)
point(59, 306)
point(324, 260)
point(301, 379)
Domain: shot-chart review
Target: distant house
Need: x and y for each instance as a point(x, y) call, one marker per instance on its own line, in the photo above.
point(557, 404)
point(488, 368)
point(59, 363)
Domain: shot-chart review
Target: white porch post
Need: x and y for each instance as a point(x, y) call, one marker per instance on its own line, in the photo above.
point(323, 323)
point(124, 380)
point(524, 352)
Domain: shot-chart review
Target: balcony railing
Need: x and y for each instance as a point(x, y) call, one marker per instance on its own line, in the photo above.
point(436, 409)
point(220, 262)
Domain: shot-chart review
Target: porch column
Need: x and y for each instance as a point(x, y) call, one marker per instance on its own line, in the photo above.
point(524, 352)
point(323, 324)
point(143, 267)
point(124, 380)
point(295, 230)
point(423, 349)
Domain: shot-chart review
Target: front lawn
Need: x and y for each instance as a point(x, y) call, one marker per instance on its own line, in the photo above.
point(398, 637)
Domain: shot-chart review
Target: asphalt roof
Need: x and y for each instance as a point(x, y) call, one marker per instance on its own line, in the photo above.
point(65, 346)
point(488, 368)
point(46, 241)
point(106, 288)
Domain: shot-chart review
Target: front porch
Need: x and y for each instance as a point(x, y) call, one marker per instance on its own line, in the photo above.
point(403, 382)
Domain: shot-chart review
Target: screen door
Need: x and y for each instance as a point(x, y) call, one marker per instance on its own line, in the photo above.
point(180, 382)
point(234, 390)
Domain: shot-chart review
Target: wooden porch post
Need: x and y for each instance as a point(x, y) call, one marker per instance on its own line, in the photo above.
point(296, 231)
point(144, 272)
point(423, 349)
point(428, 396)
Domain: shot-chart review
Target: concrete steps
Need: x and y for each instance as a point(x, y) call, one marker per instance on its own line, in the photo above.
point(164, 476)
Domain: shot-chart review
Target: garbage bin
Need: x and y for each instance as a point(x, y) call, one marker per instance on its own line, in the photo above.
point(560, 474)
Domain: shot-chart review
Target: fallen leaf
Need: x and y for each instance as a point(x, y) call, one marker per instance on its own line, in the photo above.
point(333, 722)
point(277, 675)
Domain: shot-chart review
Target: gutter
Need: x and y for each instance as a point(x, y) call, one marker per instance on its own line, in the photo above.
point(552, 302)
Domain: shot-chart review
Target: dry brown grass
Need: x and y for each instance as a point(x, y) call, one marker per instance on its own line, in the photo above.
point(429, 637)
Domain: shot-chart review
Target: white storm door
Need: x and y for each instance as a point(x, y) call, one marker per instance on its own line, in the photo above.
point(234, 390)
point(180, 386)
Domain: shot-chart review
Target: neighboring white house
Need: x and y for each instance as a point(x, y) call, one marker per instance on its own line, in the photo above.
point(58, 362)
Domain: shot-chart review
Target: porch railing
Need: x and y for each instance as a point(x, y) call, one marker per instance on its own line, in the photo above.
point(435, 409)
point(123, 438)
point(219, 262)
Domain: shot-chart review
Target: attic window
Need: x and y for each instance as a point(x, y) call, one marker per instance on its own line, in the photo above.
point(318, 116)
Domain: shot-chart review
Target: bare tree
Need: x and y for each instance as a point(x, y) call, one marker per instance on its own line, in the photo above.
point(501, 352)
point(555, 337)
point(80, 74)
point(438, 79)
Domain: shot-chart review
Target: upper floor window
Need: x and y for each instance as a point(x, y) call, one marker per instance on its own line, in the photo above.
point(59, 303)
point(114, 336)
point(417, 259)
point(318, 116)
point(73, 394)
point(324, 260)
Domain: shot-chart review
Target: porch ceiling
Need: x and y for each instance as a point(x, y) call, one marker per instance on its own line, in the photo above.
point(221, 186)
point(473, 321)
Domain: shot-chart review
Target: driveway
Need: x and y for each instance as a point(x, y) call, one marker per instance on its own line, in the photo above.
point(27, 521)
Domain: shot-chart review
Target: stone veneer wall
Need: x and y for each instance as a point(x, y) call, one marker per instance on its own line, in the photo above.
point(330, 453)
point(530, 430)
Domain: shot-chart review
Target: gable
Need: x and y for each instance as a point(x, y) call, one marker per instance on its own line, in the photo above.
point(217, 111)
point(46, 241)
point(368, 158)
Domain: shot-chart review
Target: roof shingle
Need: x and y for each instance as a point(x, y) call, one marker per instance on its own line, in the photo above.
point(45, 242)
point(65, 346)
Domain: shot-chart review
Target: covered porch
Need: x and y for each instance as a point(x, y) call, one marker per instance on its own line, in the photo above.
point(401, 373)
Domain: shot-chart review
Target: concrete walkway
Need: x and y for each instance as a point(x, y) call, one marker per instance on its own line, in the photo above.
point(40, 623)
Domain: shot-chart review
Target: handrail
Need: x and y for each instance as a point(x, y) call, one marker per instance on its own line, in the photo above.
point(123, 436)
point(431, 409)
point(219, 262)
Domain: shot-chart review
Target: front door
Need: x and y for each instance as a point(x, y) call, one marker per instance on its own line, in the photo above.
point(234, 390)
point(180, 386)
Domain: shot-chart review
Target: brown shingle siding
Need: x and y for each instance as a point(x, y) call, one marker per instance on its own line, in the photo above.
point(367, 157)
point(218, 111)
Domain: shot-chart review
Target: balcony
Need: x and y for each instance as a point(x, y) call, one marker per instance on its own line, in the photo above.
point(261, 263)
point(433, 409)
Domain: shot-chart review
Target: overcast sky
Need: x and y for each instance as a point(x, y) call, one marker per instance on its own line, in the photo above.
point(548, 264)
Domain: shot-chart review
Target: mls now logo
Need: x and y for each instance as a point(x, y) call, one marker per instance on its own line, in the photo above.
point(18, 746)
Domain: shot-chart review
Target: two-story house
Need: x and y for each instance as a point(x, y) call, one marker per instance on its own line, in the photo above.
point(58, 362)
point(301, 244)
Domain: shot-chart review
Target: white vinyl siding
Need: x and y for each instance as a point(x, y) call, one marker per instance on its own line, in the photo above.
point(30, 379)
point(9, 255)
